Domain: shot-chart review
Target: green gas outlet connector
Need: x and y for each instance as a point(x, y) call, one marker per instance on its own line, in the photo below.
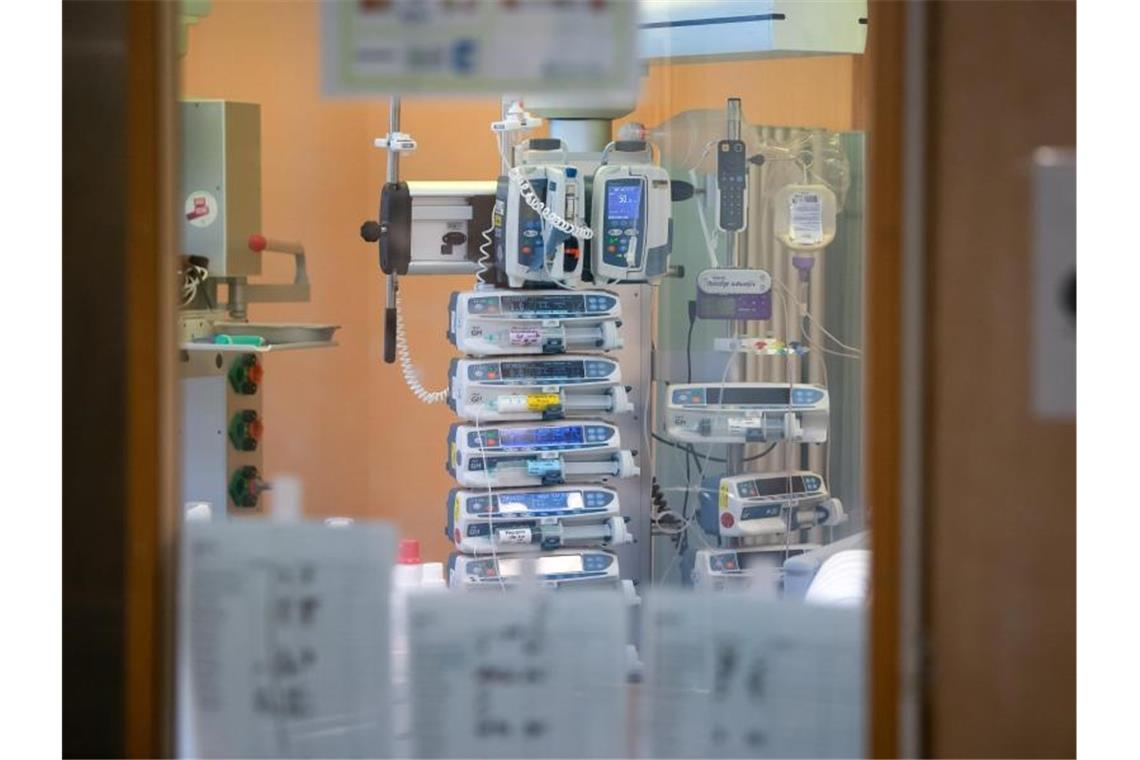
point(245, 430)
point(245, 374)
point(245, 486)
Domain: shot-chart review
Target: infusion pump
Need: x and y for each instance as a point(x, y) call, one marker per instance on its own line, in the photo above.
point(747, 412)
point(632, 222)
point(766, 503)
point(540, 218)
point(579, 568)
point(537, 454)
point(534, 248)
point(754, 567)
point(505, 322)
point(536, 388)
point(521, 520)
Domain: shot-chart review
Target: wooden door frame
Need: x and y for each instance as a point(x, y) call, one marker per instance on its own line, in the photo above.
point(890, 24)
point(118, 288)
point(151, 421)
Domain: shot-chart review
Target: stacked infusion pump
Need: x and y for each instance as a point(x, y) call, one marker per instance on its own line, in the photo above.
point(537, 447)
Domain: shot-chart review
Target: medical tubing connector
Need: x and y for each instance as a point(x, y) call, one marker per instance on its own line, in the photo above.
point(554, 220)
point(404, 355)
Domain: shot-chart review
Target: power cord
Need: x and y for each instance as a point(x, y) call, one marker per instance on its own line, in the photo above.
point(689, 342)
point(718, 460)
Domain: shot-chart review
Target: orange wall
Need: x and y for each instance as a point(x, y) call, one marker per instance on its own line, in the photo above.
point(339, 418)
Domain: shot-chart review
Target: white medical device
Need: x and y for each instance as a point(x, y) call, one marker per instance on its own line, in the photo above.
point(537, 454)
point(632, 219)
point(747, 413)
point(538, 388)
point(504, 322)
point(744, 567)
point(545, 215)
point(577, 568)
point(767, 503)
point(537, 518)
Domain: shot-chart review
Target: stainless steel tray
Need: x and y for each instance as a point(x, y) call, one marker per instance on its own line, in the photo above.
point(279, 333)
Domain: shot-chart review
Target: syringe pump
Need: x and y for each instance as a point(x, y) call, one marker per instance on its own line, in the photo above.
point(538, 518)
point(742, 568)
point(537, 454)
point(502, 322)
point(747, 413)
point(561, 569)
point(538, 388)
point(767, 503)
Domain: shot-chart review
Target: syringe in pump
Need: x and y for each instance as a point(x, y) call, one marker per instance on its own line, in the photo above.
point(747, 412)
point(520, 520)
point(537, 454)
point(500, 322)
point(537, 388)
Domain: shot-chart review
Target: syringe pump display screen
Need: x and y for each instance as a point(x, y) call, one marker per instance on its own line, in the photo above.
point(519, 502)
point(748, 396)
point(542, 370)
point(623, 200)
point(772, 487)
point(540, 502)
point(541, 436)
point(551, 304)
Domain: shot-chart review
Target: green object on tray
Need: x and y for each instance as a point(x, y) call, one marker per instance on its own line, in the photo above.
point(239, 340)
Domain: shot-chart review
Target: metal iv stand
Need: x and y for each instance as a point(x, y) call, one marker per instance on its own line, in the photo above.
point(736, 253)
point(392, 176)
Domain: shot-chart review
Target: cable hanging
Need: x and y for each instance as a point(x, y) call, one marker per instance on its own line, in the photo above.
point(404, 354)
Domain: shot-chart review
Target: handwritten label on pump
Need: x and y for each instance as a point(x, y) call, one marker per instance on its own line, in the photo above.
point(524, 336)
point(733, 675)
point(520, 674)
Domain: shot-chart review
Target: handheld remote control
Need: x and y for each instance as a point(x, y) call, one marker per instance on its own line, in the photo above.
point(731, 185)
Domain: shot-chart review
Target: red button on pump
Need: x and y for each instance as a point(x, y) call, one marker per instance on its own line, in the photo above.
point(257, 243)
point(727, 520)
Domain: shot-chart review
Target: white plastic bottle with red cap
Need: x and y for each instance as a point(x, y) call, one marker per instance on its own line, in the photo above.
point(411, 575)
point(405, 579)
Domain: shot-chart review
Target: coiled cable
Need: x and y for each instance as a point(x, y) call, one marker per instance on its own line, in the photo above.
point(404, 354)
point(548, 214)
point(484, 258)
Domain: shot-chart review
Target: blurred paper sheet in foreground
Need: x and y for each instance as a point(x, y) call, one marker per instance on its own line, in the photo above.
point(733, 675)
point(284, 640)
point(519, 674)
